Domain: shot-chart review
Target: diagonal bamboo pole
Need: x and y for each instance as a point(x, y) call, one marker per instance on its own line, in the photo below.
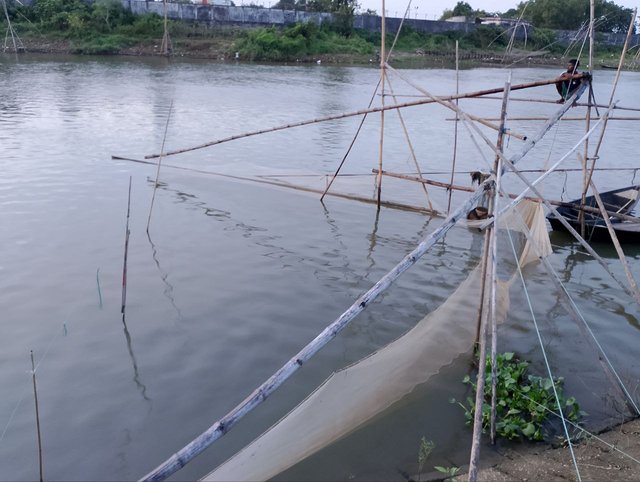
point(410, 144)
point(155, 184)
point(222, 426)
point(35, 397)
point(344, 115)
point(614, 239)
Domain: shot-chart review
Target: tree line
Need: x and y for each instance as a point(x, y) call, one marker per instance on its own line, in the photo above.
point(556, 14)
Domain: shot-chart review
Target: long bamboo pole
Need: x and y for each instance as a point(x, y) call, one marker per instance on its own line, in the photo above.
point(35, 397)
point(410, 145)
point(382, 79)
point(344, 115)
point(455, 130)
point(222, 426)
point(540, 118)
point(614, 239)
point(494, 261)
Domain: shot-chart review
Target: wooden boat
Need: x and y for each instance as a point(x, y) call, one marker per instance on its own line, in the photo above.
point(621, 201)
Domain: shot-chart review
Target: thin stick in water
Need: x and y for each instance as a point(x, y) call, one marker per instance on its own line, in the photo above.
point(155, 184)
point(98, 283)
point(126, 252)
point(35, 396)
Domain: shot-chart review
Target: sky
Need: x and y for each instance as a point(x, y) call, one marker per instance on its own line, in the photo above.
point(432, 9)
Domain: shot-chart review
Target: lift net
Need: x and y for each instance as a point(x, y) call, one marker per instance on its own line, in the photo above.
point(353, 395)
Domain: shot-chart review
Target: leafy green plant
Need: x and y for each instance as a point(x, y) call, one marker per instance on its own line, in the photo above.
point(523, 401)
point(450, 472)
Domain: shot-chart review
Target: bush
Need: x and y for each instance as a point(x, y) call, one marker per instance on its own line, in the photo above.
point(523, 402)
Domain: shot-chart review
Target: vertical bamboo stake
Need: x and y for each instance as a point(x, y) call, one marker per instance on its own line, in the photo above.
point(126, 252)
point(494, 259)
point(382, 77)
point(35, 396)
point(455, 130)
point(630, 30)
point(585, 159)
point(166, 39)
point(99, 290)
point(155, 185)
point(477, 418)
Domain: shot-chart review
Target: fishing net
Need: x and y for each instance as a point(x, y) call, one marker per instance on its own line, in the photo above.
point(355, 394)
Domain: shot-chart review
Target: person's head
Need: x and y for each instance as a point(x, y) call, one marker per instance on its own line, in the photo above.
point(573, 65)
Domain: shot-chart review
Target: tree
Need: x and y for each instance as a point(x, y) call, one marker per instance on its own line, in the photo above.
point(572, 14)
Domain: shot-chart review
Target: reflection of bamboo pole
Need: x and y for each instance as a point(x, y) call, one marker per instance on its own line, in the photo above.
point(423, 101)
point(260, 394)
point(155, 184)
point(35, 396)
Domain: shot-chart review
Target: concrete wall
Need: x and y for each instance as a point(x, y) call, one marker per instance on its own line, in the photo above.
point(567, 36)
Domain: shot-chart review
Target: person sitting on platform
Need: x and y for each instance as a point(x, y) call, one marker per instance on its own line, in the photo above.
point(569, 81)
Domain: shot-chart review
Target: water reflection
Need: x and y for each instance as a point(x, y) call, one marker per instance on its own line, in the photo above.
point(164, 276)
point(134, 363)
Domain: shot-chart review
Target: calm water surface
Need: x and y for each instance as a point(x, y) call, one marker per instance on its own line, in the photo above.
point(235, 277)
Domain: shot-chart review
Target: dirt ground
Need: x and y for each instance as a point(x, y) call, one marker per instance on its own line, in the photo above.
point(596, 460)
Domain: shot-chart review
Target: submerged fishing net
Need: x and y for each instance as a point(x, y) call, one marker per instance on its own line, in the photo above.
point(351, 396)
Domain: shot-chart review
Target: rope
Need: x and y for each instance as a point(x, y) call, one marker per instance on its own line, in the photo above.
point(544, 354)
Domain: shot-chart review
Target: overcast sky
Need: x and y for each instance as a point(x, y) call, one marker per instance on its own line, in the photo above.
point(432, 9)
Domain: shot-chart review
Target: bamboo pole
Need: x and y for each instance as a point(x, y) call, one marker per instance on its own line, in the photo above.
point(410, 144)
point(382, 78)
point(430, 100)
point(540, 118)
point(623, 260)
point(126, 252)
point(494, 260)
point(222, 426)
point(166, 46)
point(455, 129)
point(35, 397)
point(155, 184)
point(486, 123)
point(480, 381)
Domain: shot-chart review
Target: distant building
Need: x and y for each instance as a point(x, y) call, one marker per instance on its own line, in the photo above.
point(504, 22)
point(459, 19)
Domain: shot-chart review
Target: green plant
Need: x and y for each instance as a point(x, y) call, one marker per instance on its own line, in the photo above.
point(523, 402)
point(450, 472)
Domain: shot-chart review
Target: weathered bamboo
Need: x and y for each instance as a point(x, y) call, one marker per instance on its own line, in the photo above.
point(222, 426)
point(480, 381)
point(494, 260)
point(493, 119)
point(623, 260)
point(155, 184)
point(35, 397)
point(414, 103)
point(410, 145)
point(455, 130)
point(382, 78)
point(126, 252)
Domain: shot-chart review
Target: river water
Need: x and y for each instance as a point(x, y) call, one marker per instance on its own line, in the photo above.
point(236, 276)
